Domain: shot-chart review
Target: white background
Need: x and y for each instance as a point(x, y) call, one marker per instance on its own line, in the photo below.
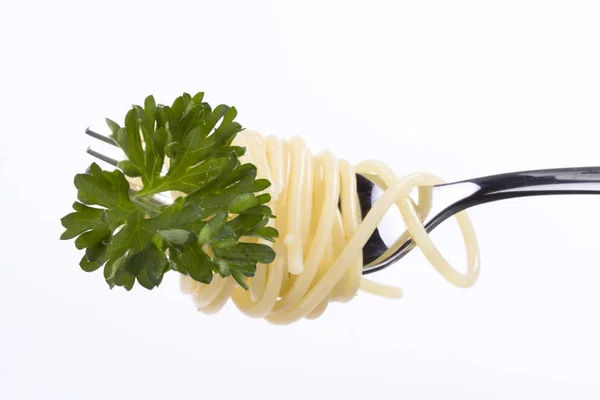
point(460, 89)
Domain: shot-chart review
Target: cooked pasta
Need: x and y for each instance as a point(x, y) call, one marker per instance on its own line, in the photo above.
point(319, 251)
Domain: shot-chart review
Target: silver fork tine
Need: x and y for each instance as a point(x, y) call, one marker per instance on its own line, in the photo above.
point(109, 154)
point(158, 199)
point(102, 157)
point(99, 136)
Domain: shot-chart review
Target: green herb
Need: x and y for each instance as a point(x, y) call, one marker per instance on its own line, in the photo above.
point(197, 235)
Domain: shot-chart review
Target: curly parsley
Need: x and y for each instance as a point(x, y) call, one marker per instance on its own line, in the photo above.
point(198, 234)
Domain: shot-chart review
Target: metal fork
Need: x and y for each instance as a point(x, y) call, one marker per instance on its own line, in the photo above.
point(446, 199)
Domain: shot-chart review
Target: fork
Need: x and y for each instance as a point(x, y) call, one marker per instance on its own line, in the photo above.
point(446, 199)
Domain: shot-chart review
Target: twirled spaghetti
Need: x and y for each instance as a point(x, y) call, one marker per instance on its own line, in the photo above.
point(319, 252)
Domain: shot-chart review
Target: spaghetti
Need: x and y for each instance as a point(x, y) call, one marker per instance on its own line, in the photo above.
point(319, 252)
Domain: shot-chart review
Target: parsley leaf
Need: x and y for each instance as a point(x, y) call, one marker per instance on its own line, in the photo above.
point(185, 147)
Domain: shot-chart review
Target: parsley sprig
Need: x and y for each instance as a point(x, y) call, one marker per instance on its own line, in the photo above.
point(186, 147)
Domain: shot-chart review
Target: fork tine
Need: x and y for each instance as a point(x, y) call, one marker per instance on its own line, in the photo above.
point(102, 157)
point(109, 154)
point(158, 199)
point(100, 137)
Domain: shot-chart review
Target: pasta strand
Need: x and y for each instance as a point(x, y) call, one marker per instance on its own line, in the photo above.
point(319, 252)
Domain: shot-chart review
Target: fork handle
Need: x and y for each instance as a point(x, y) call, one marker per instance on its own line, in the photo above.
point(581, 180)
point(557, 181)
